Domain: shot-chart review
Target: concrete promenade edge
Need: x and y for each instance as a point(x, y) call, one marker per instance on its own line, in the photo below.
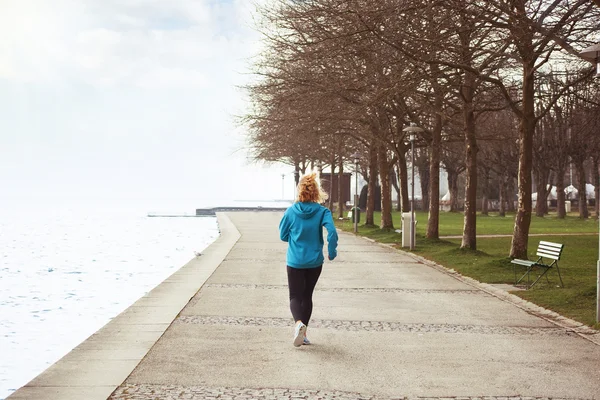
point(97, 366)
point(386, 325)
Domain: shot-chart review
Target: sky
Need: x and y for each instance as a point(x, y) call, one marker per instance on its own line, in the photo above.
point(128, 102)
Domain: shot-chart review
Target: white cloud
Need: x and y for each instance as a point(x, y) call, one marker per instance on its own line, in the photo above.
point(126, 100)
point(145, 58)
point(32, 45)
point(110, 42)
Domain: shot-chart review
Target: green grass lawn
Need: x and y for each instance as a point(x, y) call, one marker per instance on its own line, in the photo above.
point(452, 223)
point(491, 264)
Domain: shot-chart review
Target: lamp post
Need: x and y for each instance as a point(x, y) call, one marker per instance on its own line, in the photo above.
point(412, 130)
point(592, 54)
point(356, 157)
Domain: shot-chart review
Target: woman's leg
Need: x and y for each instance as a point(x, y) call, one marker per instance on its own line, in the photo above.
point(296, 283)
point(310, 281)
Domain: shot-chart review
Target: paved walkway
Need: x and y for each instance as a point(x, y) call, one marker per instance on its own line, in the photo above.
point(385, 325)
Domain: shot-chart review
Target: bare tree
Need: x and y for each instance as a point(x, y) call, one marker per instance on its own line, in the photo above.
point(366, 69)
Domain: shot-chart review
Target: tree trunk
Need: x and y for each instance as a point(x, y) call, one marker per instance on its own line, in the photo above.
point(526, 131)
point(424, 179)
point(296, 179)
point(453, 188)
point(545, 199)
point(486, 191)
point(297, 173)
point(331, 184)
point(303, 167)
point(403, 173)
point(372, 183)
point(548, 186)
point(340, 191)
point(596, 180)
point(386, 189)
point(398, 191)
point(469, 239)
point(433, 222)
point(510, 194)
point(395, 184)
point(560, 194)
point(541, 178)
point(502, 201)
point(583, 210)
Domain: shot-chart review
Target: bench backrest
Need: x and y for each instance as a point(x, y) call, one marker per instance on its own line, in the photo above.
point(549, 250)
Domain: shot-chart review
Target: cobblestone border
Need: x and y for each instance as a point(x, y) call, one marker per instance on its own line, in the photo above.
point(400, 262)
point(282, 250)
point(553, 317)
point(148, 391)
point(469, 292)
point(254, 260)
point(264, 250)
point(269, 260)
point(345, 290)
point(373, 326)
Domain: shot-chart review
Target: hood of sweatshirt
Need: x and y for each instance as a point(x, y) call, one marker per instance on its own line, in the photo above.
point(305, 210)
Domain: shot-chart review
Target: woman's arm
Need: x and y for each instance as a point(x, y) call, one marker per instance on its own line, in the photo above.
point(284, 228)
point(332, 236)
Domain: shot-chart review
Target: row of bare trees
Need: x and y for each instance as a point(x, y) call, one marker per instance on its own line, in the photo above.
point(495, 85)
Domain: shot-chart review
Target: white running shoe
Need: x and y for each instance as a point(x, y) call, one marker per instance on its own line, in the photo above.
point(299, 334)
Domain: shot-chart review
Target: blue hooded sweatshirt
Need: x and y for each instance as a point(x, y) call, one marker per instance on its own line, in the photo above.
point(302, 227)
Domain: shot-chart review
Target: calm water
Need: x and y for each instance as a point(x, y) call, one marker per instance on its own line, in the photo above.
point(64, 275)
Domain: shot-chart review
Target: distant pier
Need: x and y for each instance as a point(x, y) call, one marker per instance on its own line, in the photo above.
point(175, 216)
point(212, 211)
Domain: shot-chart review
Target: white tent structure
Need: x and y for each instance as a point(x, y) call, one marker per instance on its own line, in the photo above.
point(590, 191)
point(551, 196)
point(445, 202)
point(571, 193)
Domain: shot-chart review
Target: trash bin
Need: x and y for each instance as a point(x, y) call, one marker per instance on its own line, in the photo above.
point(567, 206)
point(406, 229)
point(357, 211)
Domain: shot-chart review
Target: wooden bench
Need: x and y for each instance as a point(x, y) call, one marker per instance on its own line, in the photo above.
point(545, 250)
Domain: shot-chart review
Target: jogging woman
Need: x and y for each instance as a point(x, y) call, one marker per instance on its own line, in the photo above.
point(302, 227)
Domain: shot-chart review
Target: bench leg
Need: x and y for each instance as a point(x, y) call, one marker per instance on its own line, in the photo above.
point(559, 277)
point(526, 274)
point(540, 277)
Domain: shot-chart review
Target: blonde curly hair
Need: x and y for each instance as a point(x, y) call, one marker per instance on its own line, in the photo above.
point(309, 189)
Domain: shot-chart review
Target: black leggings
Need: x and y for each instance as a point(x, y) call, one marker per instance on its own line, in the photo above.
point(301, 282)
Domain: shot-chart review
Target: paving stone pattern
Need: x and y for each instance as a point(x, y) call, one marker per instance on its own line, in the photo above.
point(374, 326)
point(348, 290)
point(162, 392)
